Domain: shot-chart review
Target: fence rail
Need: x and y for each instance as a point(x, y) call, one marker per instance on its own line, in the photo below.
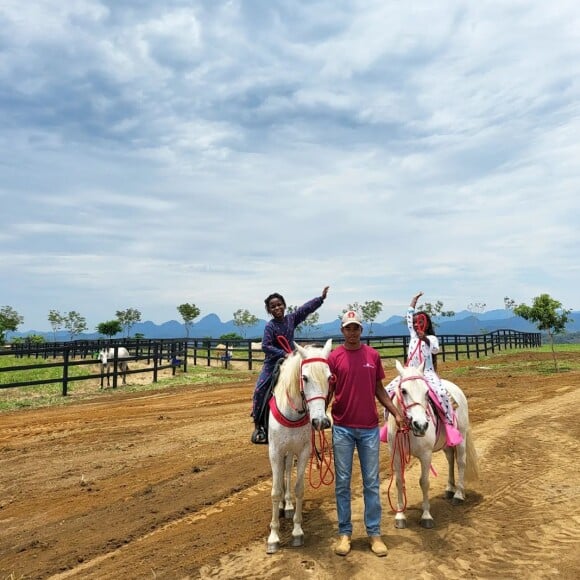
point(160, 354)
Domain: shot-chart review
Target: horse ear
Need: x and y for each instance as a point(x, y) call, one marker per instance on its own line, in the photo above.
point(400, 367)
point(327, 348)
point(301, 350)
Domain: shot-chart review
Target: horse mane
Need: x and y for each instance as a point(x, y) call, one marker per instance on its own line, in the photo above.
point(289, 378)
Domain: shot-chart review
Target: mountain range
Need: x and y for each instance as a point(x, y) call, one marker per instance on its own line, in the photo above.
point(210, 326)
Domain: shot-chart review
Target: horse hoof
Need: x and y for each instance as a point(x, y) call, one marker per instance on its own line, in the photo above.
point(449, 495)
point(427, 524)
point(297, 541)
point(400, 524)
point(456, 501)
point(272, 547)
point(289, 514)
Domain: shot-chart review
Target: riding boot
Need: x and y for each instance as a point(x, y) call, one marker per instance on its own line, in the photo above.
point(260, 435)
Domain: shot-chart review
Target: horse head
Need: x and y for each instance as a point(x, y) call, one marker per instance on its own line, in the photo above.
point(412, 398)
point(103, 356)
point(315, 380)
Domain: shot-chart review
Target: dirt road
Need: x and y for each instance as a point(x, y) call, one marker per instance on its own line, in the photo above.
point(165, 484)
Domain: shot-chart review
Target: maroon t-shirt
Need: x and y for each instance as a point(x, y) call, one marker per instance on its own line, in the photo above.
point(357, 373)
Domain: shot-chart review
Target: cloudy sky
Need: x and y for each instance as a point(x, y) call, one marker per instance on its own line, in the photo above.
point(156, 153)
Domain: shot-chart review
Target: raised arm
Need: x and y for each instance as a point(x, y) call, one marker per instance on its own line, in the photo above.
point(415, 299)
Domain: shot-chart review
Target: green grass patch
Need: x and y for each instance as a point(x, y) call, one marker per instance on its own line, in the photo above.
point(17, 398)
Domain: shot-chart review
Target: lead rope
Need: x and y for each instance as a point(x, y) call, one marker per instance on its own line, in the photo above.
point(402, 448)
point(320, 460)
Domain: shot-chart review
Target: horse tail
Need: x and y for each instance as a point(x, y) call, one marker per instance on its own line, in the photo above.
point(471, 464)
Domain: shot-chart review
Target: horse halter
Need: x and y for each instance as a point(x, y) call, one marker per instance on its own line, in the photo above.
point(401, 401)
point(306, 401)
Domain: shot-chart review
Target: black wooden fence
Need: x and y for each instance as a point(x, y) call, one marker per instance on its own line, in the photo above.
point(174, 354)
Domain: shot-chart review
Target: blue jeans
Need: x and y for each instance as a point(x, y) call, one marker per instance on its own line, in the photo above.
point(366, 442)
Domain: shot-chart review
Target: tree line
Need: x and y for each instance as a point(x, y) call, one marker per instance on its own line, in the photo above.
point(545, 312)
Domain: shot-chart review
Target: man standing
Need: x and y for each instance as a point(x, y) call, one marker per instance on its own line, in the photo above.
point(359, 375)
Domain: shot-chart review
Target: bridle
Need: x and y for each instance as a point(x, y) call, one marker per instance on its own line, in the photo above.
point(306, 401)
point(404, 406)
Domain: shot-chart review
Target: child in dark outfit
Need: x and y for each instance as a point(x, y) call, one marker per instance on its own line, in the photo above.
point(281, 325)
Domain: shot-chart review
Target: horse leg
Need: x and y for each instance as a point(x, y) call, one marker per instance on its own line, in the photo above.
point(297, 531)
point(277, 493)
point(460, 456)
point(426, 518)
point(400, 517)
point(450, 455)
point(288, 508)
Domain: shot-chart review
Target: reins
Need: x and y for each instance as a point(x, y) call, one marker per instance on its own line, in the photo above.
point(322, 459)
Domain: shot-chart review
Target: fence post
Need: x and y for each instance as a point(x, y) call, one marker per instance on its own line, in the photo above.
point(65, 356)
point(155, 361)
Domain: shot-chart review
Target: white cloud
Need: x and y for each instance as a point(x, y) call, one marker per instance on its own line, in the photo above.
point(216, 152)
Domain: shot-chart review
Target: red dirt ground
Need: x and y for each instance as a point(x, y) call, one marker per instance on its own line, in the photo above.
point(165, 484)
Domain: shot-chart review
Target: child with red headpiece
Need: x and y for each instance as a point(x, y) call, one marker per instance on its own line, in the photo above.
point(423, 348)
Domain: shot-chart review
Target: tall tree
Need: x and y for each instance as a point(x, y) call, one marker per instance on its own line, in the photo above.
point(189, 312)
point(243, 319)
point(56, 320)
point(548, 315)
point(74, 323)
point(109, 328)
point(128, 318)
point(10, 320)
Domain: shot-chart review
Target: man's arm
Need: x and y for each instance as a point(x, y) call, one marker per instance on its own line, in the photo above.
point(386, 402)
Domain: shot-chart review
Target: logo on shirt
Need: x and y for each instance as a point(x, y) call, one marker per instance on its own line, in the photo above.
point(368, 365)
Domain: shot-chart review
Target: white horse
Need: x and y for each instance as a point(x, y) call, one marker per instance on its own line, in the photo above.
point(298, 405)
point(426, 434)
point(107, 358)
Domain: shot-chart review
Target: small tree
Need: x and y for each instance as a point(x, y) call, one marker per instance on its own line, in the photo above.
point(243, 319)
point(368, 311)
point(508, 303)
point(476, 307)
point(189, 312)
point(231, 336)
point(10, 320)
point(56, 320)
point(548, 315)
point(309, 324)
point(74, 323)
point(109, 328)
point(128, 318)
point(435, 309)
